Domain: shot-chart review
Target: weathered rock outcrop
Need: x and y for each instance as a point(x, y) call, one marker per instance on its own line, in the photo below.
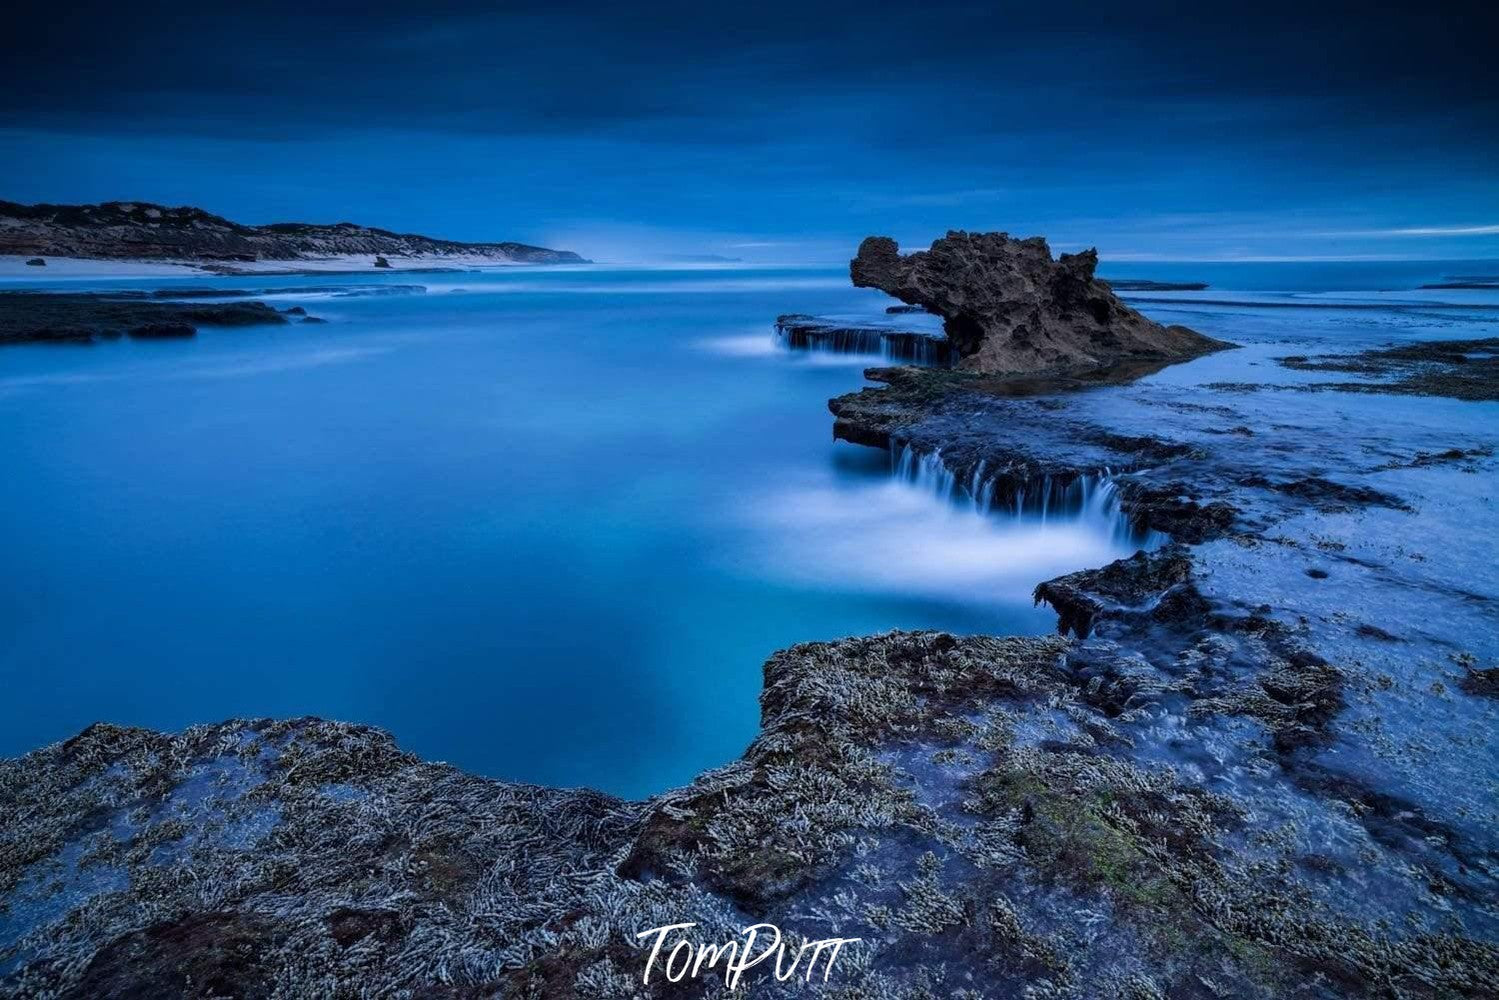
point(118, 230)
point(1009, 308)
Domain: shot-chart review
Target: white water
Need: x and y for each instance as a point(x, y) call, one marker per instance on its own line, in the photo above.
point(1089, 502)
point(920, 532)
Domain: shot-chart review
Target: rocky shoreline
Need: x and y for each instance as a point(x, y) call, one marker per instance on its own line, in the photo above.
point(1253, 762)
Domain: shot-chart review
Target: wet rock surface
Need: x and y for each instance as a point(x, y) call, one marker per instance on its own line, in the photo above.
point(1316, 643)
point(1009, 308)
point(1461, 369)
point(83, 317)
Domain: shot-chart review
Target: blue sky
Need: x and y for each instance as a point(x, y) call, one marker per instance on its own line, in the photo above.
point(780, 131)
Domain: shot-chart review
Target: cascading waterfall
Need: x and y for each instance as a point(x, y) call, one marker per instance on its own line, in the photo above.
point(917, 348)
point(1091, 498)
point(905, 346)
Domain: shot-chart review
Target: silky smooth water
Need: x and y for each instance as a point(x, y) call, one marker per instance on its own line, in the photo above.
point(544, 524)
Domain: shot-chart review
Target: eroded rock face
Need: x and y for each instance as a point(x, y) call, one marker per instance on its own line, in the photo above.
point(1009, 308)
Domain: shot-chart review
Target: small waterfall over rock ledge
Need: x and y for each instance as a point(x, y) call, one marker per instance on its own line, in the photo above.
point(809, 333)
point(1092, 499)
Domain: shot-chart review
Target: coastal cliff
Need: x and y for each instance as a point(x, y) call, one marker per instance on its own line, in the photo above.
point(120, 230)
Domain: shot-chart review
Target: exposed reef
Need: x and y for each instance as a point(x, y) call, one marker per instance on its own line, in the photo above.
point(1461, 369)
point(83, 317)
point(1009, 308)
point(118, 230)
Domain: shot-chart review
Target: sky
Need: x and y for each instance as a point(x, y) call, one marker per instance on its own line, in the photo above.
point(779, 131)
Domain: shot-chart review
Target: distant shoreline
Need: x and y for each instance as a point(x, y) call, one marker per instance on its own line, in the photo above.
point(16, 266)
point(142, 231)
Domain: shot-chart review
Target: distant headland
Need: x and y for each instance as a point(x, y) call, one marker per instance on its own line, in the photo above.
point(141, 231)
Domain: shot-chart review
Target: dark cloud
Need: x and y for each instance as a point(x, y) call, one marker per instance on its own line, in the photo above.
point(703, 69)
point(818, 120)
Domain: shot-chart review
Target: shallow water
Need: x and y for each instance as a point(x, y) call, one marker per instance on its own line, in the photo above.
point(546, 525)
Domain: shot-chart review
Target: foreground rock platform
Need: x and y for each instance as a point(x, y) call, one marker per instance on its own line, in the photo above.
point(960, 804)
point(1009, 308)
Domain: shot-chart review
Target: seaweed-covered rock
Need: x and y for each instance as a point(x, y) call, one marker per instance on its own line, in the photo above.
point(1008, 307)
point(968, 808)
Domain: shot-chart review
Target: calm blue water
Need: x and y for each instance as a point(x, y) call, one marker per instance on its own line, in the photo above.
point(546, 525)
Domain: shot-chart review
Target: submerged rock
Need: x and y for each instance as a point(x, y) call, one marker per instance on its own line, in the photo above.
point(1009, 308)
point(36, 262)
point(1146, 285)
